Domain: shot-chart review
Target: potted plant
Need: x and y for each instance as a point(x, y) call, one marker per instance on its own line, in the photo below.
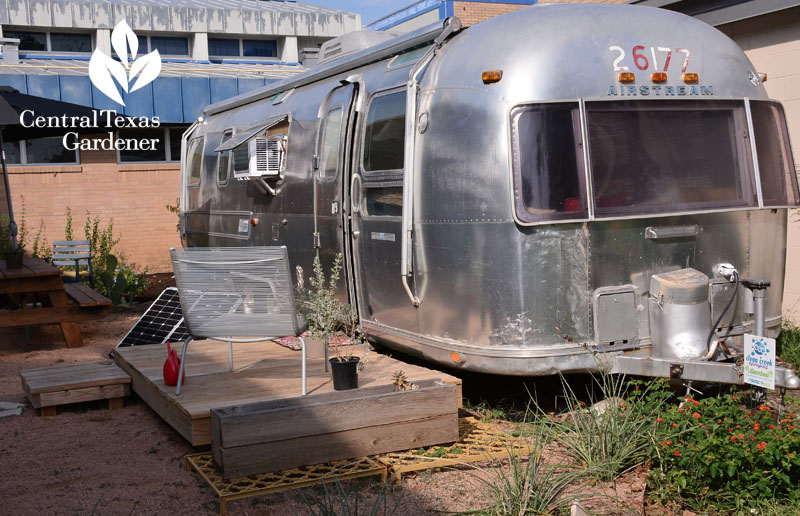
point(11, 252)
point(335, 324)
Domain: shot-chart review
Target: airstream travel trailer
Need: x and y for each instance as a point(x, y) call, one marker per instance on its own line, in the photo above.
point(550, 190)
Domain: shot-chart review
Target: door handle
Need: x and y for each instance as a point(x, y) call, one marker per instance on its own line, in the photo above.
point(356, 234)
point(355, 193)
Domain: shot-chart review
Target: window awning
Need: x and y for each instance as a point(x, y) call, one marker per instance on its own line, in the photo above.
point(248, 132)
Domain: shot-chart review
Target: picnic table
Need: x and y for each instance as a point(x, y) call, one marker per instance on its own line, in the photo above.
point(39, 283)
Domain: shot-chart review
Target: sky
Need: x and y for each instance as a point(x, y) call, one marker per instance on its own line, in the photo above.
point(370, 10)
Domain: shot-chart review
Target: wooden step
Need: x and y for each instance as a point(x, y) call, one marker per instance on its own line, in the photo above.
point(49, 387)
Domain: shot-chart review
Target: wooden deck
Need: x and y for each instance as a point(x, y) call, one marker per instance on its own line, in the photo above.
point(263, 371)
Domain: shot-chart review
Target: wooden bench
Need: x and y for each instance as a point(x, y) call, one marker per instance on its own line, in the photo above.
point(85, 296)
point(50, 387)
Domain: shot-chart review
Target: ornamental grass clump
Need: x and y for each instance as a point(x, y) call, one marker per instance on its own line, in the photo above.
point(717, 450)
point(614, 438)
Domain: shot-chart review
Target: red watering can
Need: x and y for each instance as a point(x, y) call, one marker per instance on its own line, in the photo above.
point(171, 367)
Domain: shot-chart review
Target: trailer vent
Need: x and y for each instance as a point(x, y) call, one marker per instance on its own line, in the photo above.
point(262, 157)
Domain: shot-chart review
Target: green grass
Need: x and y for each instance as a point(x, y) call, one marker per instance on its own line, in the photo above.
point(789, 343)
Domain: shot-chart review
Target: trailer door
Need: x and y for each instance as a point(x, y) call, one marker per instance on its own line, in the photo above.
point(331, 172)
point(376, 201)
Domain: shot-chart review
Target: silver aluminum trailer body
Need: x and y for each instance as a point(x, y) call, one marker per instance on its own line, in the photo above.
point(515, 273)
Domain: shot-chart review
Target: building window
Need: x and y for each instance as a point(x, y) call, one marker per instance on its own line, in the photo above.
point(40, 151)
point(167, 148)
point(230, 47)
point(52, 41)
point(166, 46)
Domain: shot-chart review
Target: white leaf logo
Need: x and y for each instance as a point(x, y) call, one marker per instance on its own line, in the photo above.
point(104, 70)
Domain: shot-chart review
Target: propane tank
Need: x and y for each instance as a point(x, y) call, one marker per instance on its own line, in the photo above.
point(680, 314)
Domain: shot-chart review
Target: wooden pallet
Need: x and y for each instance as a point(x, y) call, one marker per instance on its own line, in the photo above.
point(50, 387)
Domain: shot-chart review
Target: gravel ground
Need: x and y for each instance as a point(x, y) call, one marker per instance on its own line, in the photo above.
point(91, 460)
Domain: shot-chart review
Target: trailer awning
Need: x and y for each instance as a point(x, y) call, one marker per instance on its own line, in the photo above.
point(249, 132)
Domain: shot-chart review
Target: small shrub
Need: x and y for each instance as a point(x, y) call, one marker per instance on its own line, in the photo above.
point(715, 449)
point(789, 343)
point(337, 499)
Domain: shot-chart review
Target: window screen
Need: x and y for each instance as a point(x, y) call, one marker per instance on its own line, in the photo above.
point(548, 171)
point(775, 164)
point(194, 161)
point(170, 46)
point(224, 159)
point(385, 135)
point(330, 144)
point(68, 42)
point(656, 157)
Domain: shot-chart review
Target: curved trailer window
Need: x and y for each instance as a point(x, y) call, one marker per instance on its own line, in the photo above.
point(775, 164)
point(547, 163)
point(677, 156)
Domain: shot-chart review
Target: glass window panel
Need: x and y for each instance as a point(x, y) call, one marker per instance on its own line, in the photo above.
point(68, 42)
point(142, 45)
point(330, 144)
point(12, 152)
point(28, 40)
point(259, 48)
point(386, 131)
point(158, 153)
point(224, 159)
point(175, 135)
point(195, 161)
point(49, 150)
point(655, 157)
point(223, 47)
point(170, 46)
point(548, 173)
point(775, 163)
point(386, 202)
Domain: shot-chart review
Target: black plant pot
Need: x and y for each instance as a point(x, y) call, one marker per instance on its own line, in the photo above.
point(344, 373)
point(14, 260)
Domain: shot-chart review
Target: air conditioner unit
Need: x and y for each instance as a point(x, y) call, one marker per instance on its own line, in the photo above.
point(262, 157)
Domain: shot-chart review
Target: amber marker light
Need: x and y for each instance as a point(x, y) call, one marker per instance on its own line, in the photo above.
point(491, 76)
point(455, 357)
point(691, 78)
point(762, 77)
point(658, 77)
point(626, 77)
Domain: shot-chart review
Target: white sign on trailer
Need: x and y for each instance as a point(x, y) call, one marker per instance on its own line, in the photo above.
point(759, 361)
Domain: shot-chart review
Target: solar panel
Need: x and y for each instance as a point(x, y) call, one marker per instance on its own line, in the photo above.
point(161, 322)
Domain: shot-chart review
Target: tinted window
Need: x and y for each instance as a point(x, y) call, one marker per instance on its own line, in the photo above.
point(49, 150)
point(28, 40)
point(170, 46)
point(223, 47)
point(194, 163)
point(142, 45)
point(775, 163)
point(66, 42)
point(385, 135)
point(330, 144)
point(175, 135)
point(157, 153)
point(224, 159)
point(548, 177)
point(12, 152)
point(384, 201)
point(650, 157)
point(259, 48)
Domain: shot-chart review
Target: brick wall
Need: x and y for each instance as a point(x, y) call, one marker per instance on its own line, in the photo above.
point(772, 42)
point(134, 195)
point(471, 13)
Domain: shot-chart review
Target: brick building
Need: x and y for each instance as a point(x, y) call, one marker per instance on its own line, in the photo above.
point(209, 52)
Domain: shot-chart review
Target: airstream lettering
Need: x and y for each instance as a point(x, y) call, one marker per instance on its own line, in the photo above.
point(501, 208)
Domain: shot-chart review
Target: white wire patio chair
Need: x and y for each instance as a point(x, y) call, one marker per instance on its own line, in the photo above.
point(237, 294)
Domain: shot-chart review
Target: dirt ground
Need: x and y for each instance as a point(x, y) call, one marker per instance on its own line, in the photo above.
point(91, 460)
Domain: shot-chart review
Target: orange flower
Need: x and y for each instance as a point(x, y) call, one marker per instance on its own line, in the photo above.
point(738, 426)
point(696, 415)
point(733, 439)
point(741, 436)
point(680, 409)
point(763, 408)
point(761, 445)
point(658, 420)
point(666, 443)
point(772, 427)
point(677, 453)
point(674, 425)
point(757, 427)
